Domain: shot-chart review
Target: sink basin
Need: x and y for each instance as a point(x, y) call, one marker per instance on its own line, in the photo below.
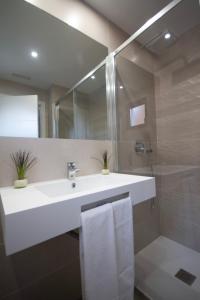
point(67, 187)
point(82, 184)
point(47, 209)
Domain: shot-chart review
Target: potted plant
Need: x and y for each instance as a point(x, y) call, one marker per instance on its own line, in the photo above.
point(23, 162)
point(104, 161)
point(105, 170)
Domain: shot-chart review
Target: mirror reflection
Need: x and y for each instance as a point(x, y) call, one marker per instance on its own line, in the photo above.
point(41, 58)
point(82, 113)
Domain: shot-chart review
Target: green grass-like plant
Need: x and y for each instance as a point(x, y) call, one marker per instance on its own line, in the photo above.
point(23, 161)
point(104, 161)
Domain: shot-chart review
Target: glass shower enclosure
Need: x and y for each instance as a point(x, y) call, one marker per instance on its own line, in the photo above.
point(157, 95)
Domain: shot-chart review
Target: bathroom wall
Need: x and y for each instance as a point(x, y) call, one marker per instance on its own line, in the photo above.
point(52, 156)
point(178, 139)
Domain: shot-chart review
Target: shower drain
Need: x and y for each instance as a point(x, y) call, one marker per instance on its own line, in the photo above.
point(185, 276)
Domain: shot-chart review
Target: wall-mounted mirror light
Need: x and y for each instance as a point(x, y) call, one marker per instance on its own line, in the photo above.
point(137, 115)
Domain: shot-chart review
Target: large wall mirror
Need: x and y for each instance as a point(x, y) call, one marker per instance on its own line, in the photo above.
point(41, 59)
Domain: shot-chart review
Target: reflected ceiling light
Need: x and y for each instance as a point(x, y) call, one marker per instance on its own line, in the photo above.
point(31, 1)
point(121, 87)
point(167, 35)
point(73, 20)
point(93, 77)
point(34, 54)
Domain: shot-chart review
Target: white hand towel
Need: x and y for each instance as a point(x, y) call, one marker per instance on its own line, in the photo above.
point(123, 221)
point(98, 254)
point(106, 252)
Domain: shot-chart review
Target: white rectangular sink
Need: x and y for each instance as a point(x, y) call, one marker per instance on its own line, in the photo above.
point(47, 209)
point(82, 184)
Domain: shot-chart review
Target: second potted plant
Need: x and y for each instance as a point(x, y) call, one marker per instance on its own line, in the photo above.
point(104, 161)
point(105, 170)
point(23, 161)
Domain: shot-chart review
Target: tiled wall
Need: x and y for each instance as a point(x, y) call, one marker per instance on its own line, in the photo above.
point(52, 157)
point(178, 139)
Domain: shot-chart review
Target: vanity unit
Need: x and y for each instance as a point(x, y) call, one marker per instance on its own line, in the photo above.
point(48, 209)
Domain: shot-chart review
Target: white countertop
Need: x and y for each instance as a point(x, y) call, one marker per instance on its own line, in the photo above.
point(45, 210)
point(16, 200)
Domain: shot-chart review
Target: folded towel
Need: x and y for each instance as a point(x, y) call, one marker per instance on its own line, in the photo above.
point(98, 260)
point(106, 252)
point(123, 223)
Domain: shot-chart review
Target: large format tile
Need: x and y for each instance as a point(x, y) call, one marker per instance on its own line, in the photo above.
point(62, 285)
point(37, 262)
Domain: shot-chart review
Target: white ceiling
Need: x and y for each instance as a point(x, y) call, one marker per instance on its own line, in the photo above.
point(65, 54)
point(130, 15)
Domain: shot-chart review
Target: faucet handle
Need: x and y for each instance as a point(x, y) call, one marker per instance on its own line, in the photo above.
point(71, 165)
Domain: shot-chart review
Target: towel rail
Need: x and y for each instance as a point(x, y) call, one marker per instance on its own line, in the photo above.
point(104, 201)
point(75, 233)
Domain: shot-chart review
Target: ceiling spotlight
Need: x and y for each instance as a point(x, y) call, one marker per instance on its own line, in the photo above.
point(93, 77)
point(167, 36)
point(34, 54)
point(121, 87)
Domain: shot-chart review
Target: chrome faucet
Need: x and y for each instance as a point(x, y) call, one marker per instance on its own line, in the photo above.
point(71, 170)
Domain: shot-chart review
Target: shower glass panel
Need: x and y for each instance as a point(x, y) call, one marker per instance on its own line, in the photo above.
point(135, 89)
point(90, 108)
point(161, 69)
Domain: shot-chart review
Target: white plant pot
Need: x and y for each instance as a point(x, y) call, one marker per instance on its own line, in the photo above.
point(105, 171)
point(20, 183)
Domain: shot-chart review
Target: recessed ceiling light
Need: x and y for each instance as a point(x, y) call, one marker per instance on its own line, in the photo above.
point(167, 36)
point(34, 54)
point(93, 77)
point(121, 87)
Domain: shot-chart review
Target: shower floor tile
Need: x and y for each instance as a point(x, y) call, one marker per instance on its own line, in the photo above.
point(156, 267)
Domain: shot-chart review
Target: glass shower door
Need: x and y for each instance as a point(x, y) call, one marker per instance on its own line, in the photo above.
point(158, 111)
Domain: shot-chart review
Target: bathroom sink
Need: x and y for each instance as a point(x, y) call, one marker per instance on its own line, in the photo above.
point(67, 187)
point(82, 184)
point(47, 209)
